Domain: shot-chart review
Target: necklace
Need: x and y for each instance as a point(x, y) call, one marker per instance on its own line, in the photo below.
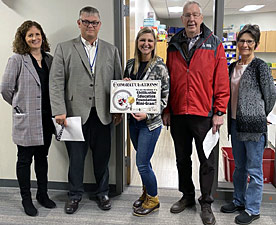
point(38, 58)
point(240, 63)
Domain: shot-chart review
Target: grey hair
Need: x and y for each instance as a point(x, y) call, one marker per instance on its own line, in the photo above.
point(192, 3)
point(89, 10)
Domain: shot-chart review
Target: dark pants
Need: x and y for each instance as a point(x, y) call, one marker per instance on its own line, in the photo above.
point(24, 161)
point(185, 128)
point(98, 137)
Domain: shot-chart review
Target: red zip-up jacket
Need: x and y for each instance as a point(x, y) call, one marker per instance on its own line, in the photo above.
point(202, 87)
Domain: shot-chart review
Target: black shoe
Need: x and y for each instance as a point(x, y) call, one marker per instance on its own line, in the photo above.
point(104, 202)
point(231, 207)
point(150, 204)
point(180, 205)
point(207, 215)
point(138, 203)
point(45, 201)
point(29, 208)
point(71, 206)
point(144, 211)
point(245, 218)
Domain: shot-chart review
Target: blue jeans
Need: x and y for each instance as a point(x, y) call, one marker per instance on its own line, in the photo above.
point(248, 156)
point(144, 142)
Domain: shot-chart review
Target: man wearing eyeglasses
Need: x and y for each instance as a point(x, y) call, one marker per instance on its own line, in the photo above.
point(80, 86)
point(199, 93)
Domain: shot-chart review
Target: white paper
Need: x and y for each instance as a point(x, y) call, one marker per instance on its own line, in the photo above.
point(210, 142)
point(271, 118)
point(73, 130)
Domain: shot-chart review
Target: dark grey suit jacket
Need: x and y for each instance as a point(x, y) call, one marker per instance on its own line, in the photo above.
point(21, 87)
point(71, 77)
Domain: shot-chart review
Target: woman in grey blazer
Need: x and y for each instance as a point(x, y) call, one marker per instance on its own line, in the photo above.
point(25, 86)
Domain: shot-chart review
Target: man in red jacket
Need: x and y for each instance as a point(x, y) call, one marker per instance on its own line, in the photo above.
point(199, 93)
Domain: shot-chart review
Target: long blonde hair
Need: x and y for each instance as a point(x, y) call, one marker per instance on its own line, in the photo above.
point(137, 53)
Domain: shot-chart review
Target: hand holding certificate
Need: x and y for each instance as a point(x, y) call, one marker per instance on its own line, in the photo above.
point(72, 132)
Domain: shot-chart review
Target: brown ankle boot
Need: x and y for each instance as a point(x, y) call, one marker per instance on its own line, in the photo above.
point(138, 203)
point(149, 205)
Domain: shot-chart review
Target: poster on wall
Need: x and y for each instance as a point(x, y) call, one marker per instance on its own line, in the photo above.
point(135, 96)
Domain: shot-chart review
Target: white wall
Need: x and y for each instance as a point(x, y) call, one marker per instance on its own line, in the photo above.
point(142, 7)
point(264, 20)
point(208, 21)
point(58, 20)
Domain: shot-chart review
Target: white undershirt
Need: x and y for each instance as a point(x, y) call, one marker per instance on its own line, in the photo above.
point(90, 51)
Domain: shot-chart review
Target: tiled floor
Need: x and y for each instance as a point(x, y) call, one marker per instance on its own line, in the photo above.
point(11, 211)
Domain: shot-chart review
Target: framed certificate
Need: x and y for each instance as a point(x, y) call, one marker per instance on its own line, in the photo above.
point(135, 96)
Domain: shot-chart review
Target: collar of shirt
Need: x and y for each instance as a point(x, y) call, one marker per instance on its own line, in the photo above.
point(87, 43)
point(90, 52)
point(192, 40)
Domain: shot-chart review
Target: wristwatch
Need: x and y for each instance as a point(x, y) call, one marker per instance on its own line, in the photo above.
point(219, 113)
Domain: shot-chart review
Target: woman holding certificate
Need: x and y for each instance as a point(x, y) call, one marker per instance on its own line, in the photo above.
point(25, 86)
point(145, 128)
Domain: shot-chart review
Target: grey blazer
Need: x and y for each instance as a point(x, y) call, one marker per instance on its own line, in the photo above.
point(71, 77)
point(21, 87)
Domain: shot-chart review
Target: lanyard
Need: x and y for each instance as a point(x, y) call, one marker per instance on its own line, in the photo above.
point(88, 56)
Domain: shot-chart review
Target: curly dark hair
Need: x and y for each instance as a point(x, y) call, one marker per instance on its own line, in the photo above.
point(19, 44)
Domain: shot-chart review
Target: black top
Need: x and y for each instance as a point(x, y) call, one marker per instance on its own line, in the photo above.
point(43, 73)
point(141, 73)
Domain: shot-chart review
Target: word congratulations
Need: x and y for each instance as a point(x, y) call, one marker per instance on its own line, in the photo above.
point(130, 84)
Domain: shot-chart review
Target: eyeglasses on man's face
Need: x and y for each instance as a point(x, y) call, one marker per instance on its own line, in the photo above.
point(248, 42)
point(87, 23)
point(189, 15)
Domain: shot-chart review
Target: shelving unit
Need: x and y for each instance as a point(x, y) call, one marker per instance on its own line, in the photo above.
point(230, 46)
point(172, 31)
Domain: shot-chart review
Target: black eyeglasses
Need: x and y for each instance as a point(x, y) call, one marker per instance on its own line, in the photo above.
point(87, 23)
point(248, 42)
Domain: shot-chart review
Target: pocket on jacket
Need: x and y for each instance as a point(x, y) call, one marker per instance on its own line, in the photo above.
point(69, 97)
point(20, 122)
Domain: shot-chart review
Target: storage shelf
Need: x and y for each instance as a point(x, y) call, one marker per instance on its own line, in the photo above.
point(230, 55)
point(230, 46)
